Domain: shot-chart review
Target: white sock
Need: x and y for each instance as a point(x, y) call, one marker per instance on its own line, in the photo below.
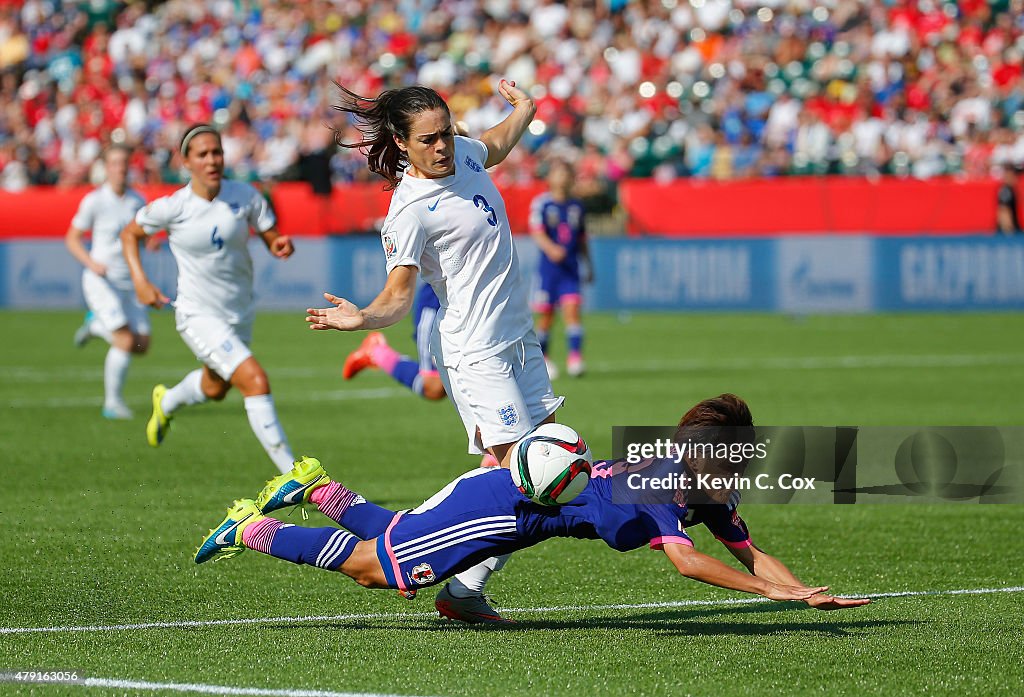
point(115, 367)
point(263, 419)
point(472, 581)
point(96, 328)
point(188, 391)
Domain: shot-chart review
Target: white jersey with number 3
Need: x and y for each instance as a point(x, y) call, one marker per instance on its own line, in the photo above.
point(455, 231)
point(210, 242)
point(103, 213)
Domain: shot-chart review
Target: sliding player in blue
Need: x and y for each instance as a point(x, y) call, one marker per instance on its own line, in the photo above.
point(482, 514)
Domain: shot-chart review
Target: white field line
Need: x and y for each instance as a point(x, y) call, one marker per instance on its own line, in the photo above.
point(197, 688)
point(305, 619)
point(96, 401)
point(27, 373)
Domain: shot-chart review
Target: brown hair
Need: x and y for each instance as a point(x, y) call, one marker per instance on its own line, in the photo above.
point(383, 118)
point(722, 419)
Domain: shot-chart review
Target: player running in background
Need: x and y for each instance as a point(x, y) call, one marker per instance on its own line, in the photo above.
point(208, 223)
point(115, 314)
point(419, 375)
point(448, 222)
point(482, 514)
point(557, 225)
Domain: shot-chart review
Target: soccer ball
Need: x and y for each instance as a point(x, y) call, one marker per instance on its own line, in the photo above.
point(551, 465)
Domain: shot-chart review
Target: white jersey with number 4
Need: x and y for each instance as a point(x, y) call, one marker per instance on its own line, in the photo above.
point(210, 242)
point(455, 231)
point(104, 214)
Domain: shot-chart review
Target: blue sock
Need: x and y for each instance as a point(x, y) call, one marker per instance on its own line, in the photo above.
point(327, 548)
point(406, 371)
point(574, 334)
point(542, 337)
point(366, 520)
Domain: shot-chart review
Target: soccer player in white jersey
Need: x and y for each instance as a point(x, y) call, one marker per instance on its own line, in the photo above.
point(448, 222)
point(115, 315)
point(208, 223)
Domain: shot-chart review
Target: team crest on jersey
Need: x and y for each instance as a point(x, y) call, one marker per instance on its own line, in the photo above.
point(422, 574)
point(234, 207)
point(473, 164)
point(389, 246)
point(508, 415)
point(553, 218)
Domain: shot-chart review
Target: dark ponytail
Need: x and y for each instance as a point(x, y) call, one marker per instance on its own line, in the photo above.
point(380, 120)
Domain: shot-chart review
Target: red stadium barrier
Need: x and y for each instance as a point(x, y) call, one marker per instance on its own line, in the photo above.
point(682, 208)
point(43, 212)
point(809, 205)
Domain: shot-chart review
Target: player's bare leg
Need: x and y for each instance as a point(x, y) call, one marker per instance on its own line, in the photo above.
point(542, 326)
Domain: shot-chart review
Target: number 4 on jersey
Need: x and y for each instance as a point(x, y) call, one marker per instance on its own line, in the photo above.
point(217, 242)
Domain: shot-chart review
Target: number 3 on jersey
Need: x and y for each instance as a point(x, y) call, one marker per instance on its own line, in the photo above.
point(217, 242)
point(480, 202)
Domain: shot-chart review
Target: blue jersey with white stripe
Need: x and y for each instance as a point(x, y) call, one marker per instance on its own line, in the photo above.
point(426, 300)
point(482, 514)
point(563, 223)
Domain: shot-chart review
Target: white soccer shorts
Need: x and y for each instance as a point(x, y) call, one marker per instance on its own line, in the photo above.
point(220, 345)
point(500, 398)
point(114, 307)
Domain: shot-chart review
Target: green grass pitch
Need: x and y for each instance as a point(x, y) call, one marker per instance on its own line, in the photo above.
point(99, 529)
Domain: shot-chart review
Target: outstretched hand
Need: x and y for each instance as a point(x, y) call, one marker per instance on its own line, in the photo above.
point(831, 602)
point(779, 591)
point(344, 316)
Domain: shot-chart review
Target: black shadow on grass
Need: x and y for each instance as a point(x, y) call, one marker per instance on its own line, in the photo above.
point(678, 622)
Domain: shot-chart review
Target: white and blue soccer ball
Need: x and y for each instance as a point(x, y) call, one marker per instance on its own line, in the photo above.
point(551, 465)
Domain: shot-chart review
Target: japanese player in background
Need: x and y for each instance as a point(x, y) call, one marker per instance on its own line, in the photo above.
point(115, 314)
point(557, 225)
point(208, 223)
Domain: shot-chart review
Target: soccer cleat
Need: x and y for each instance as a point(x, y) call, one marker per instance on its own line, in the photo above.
point(552, 368)
point(362, 358)
point(83, 333)
point(475, 609)
point(574, 365)
point(409, 594)
point(159, 423)
point(294, 487)
point(225, 540)
point(117, 412)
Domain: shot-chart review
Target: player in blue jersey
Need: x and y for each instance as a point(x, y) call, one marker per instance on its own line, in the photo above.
point(482, 514)
point(419, 375)
point(557, 225)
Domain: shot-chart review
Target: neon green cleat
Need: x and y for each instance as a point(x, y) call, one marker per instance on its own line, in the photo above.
point(159, 423)
point(293, 488)
point(225, 540)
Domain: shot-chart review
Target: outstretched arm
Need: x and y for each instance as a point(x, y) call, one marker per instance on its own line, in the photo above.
point(701, 567)
point(147, 293)
point(391, 304)
point(502, 138)
point(767, 567)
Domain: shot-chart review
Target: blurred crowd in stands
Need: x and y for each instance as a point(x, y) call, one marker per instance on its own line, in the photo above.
point(718, 89)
